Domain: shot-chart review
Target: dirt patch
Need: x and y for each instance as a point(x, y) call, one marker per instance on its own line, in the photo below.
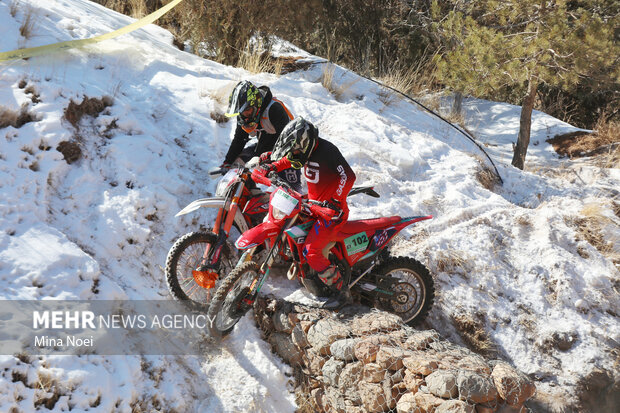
point(89, 106)
point(603, 141)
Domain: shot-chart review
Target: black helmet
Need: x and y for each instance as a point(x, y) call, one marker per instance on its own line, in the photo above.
point(296, 142)
point(245, 101)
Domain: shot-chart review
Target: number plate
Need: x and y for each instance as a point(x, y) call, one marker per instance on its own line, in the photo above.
point(283, 201)
point(356, 243)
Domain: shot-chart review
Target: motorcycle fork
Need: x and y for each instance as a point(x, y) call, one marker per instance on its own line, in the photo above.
point(257, 284)
point(211, 257)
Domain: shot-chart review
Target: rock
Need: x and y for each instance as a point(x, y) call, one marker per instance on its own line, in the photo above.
point(318, 396)
point(373, 373)
point(475, 363)
point(305, 325)
point(425, 403)
point(331, 370)
point(375, 322)
point(475, 387)
point(281, 321)
point(284, 347)
point(366, 351)
point(373, 397)
point(442, 383)
point(512, 385)
point(344, 349)
point(506, 408)
point(350, 376)
point(413, 381)
point(299, 337)
point(391, 358)
point(481, 408)
point(293, 319)
point(335, 401)
point(421, 364)
point(598, 390)
point(406, 404)
point(391, 393)
point(398, 376)
point(315, 362)
point(322, 334)
point(421, 340)
point(455, 406)
point(353, 408)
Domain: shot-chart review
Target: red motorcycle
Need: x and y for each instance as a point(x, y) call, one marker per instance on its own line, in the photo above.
point(197, 260)
point(400, 285)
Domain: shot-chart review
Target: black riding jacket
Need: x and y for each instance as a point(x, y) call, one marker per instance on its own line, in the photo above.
point(277, 116)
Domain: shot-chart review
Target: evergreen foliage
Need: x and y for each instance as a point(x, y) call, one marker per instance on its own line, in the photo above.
point(490, 49)
point(494, 48)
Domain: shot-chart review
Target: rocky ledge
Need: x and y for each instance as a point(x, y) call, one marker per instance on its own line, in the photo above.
point(368, 361)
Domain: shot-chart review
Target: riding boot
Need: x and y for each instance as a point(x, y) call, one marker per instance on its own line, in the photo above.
point(332, 277)
point(342, 299)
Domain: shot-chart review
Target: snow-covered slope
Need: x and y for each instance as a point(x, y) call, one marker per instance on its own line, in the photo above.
point(507, 260)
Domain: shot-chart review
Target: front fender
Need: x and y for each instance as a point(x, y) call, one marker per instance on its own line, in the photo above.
point(257, 235)
point(217, 202)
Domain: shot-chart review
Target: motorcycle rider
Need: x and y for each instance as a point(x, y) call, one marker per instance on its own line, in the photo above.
point(329, 178)
point(260, 115)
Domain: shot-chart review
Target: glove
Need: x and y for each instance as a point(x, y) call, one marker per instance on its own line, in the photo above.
point(260, 174)
point(225, 165)
point(265, 157)
point(335, 206)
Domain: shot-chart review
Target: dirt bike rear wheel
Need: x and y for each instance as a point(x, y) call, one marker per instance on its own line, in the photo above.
point(415, 289)
point(227, 306)
point(184, 257)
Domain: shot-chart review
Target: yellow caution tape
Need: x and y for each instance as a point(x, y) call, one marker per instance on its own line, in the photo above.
point(38, 51)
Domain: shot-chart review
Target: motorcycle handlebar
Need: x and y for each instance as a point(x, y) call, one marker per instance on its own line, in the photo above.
point(315, 208)
point(217, 171)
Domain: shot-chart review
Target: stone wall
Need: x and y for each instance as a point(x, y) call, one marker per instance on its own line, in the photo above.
point(367, 361)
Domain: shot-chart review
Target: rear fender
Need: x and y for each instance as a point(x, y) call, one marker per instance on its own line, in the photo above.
point(257, 235)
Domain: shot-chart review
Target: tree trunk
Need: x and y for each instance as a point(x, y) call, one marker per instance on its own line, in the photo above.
point(525, 125)
point(457, 105)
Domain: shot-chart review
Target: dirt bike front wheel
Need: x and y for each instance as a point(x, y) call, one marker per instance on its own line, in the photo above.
point(227, 306)
point(414, 288)
point(182, 261)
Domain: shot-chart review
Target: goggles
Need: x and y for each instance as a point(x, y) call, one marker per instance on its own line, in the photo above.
point(294, 157)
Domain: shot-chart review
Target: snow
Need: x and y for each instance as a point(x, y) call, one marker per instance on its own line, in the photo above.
point(100, 228)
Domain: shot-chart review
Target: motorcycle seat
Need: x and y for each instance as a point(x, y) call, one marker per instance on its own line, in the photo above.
point(356, 226)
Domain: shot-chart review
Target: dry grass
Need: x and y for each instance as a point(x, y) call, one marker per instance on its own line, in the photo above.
point(487, 177)
point(14, 8)
point(452, 261)
point(329, 83)
point(254, 62)
point(219, 117)
point(89, 106)
point(16, 118)
point(46, 384)
point(138, 8)
point(471, 329)
point(327, 79)
point(590, 227)
point(28, 24)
